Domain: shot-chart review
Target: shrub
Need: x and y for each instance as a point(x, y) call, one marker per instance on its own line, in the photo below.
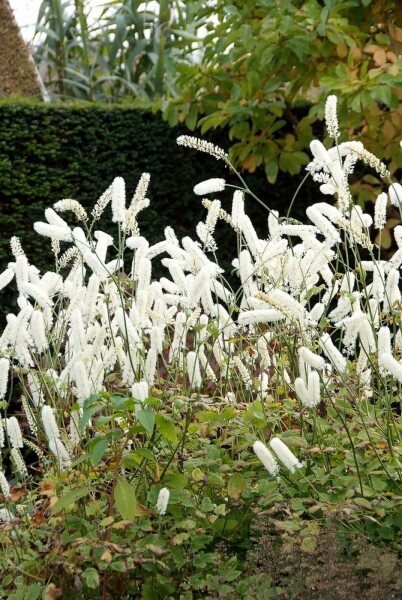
point(148, 405)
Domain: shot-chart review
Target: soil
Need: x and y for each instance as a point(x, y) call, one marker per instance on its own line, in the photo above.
point(342, 567)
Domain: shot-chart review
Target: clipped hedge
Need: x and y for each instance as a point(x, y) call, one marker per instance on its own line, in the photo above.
point(74, 151)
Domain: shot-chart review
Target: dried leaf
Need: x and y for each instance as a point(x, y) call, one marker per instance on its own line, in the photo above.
point(52, 592)
point(47, 488)
point(17, 493)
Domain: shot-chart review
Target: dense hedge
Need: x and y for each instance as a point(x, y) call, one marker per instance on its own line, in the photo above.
point(74, 151)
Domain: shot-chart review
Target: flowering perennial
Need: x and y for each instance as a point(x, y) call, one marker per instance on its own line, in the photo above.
point(102, 321)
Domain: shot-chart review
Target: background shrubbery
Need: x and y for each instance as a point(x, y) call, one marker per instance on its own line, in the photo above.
point(75, 151)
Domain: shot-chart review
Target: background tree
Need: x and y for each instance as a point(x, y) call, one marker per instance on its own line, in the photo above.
point(131, 48)
point(260, 69)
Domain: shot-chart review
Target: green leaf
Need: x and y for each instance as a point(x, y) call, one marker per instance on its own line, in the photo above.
point(236, 485)
point(91, 578)
point(33, 592)
point(147, 419)
point(166, 428)
point(99, 450)
point(125, 500)
point(362, 502)
point(192, 117)
point(69, 498)
point(383, 94)
point(309, 544)
point(87, 414)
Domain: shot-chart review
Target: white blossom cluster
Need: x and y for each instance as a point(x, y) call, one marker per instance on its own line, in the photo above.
point(73, 331)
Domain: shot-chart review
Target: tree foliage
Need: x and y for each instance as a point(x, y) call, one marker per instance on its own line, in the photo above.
point(260, 68)
point(128, 47)
point(265, 63)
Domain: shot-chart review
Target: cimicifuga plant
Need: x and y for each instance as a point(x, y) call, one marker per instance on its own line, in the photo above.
point(317, 310)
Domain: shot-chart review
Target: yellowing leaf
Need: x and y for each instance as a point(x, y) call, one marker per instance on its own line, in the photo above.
point(309, 544)
point(106, 557)
point(236, 485)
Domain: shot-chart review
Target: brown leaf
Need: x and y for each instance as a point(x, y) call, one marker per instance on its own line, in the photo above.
point(39, 517)
point(17, 493)
point(47, 488)
point(380, 57)
point(52, 592)
point(122, 524)
point(107, 557)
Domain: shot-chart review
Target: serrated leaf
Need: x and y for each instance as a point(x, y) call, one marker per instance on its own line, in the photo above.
point(91, 578)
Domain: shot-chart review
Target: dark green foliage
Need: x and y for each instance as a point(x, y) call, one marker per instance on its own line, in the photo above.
point(75, 151)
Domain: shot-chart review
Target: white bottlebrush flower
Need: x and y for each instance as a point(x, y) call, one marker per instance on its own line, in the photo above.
point(4, 486)
point(309, 395)
point(62, 234)
point(310, 358)
point(384, 341)
point(38, 331)
point(14, 432)
point(244, 374)
point(238, 209)
point(380, 211)
point(74, 206)
point(395, 194)
point(30, 417)
point(388, 363)
point(104, 240)
point(118, 200)
point(4, 374)
point(35, 292)
point(18, 463)
point(102, 203)
point(203, 146)
point(266, 457)
point(140, 390)
point(15, 245)
point(162, 501)
point(35, 389)
point(74, 435)
point(327, 189)
point(80, 374)
point(331, 119)
point(57, 447)
point(49, 423)
point(286, 456)
point(209, 186)
point(212, 216)
point(332, 353)
point(319, 152)
point(251, 317)
point(6, 277)
point(392, 291)
point(205, 237)
point(193, 370)
point(6, 516)
point(150, 365)
point(21, 270)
